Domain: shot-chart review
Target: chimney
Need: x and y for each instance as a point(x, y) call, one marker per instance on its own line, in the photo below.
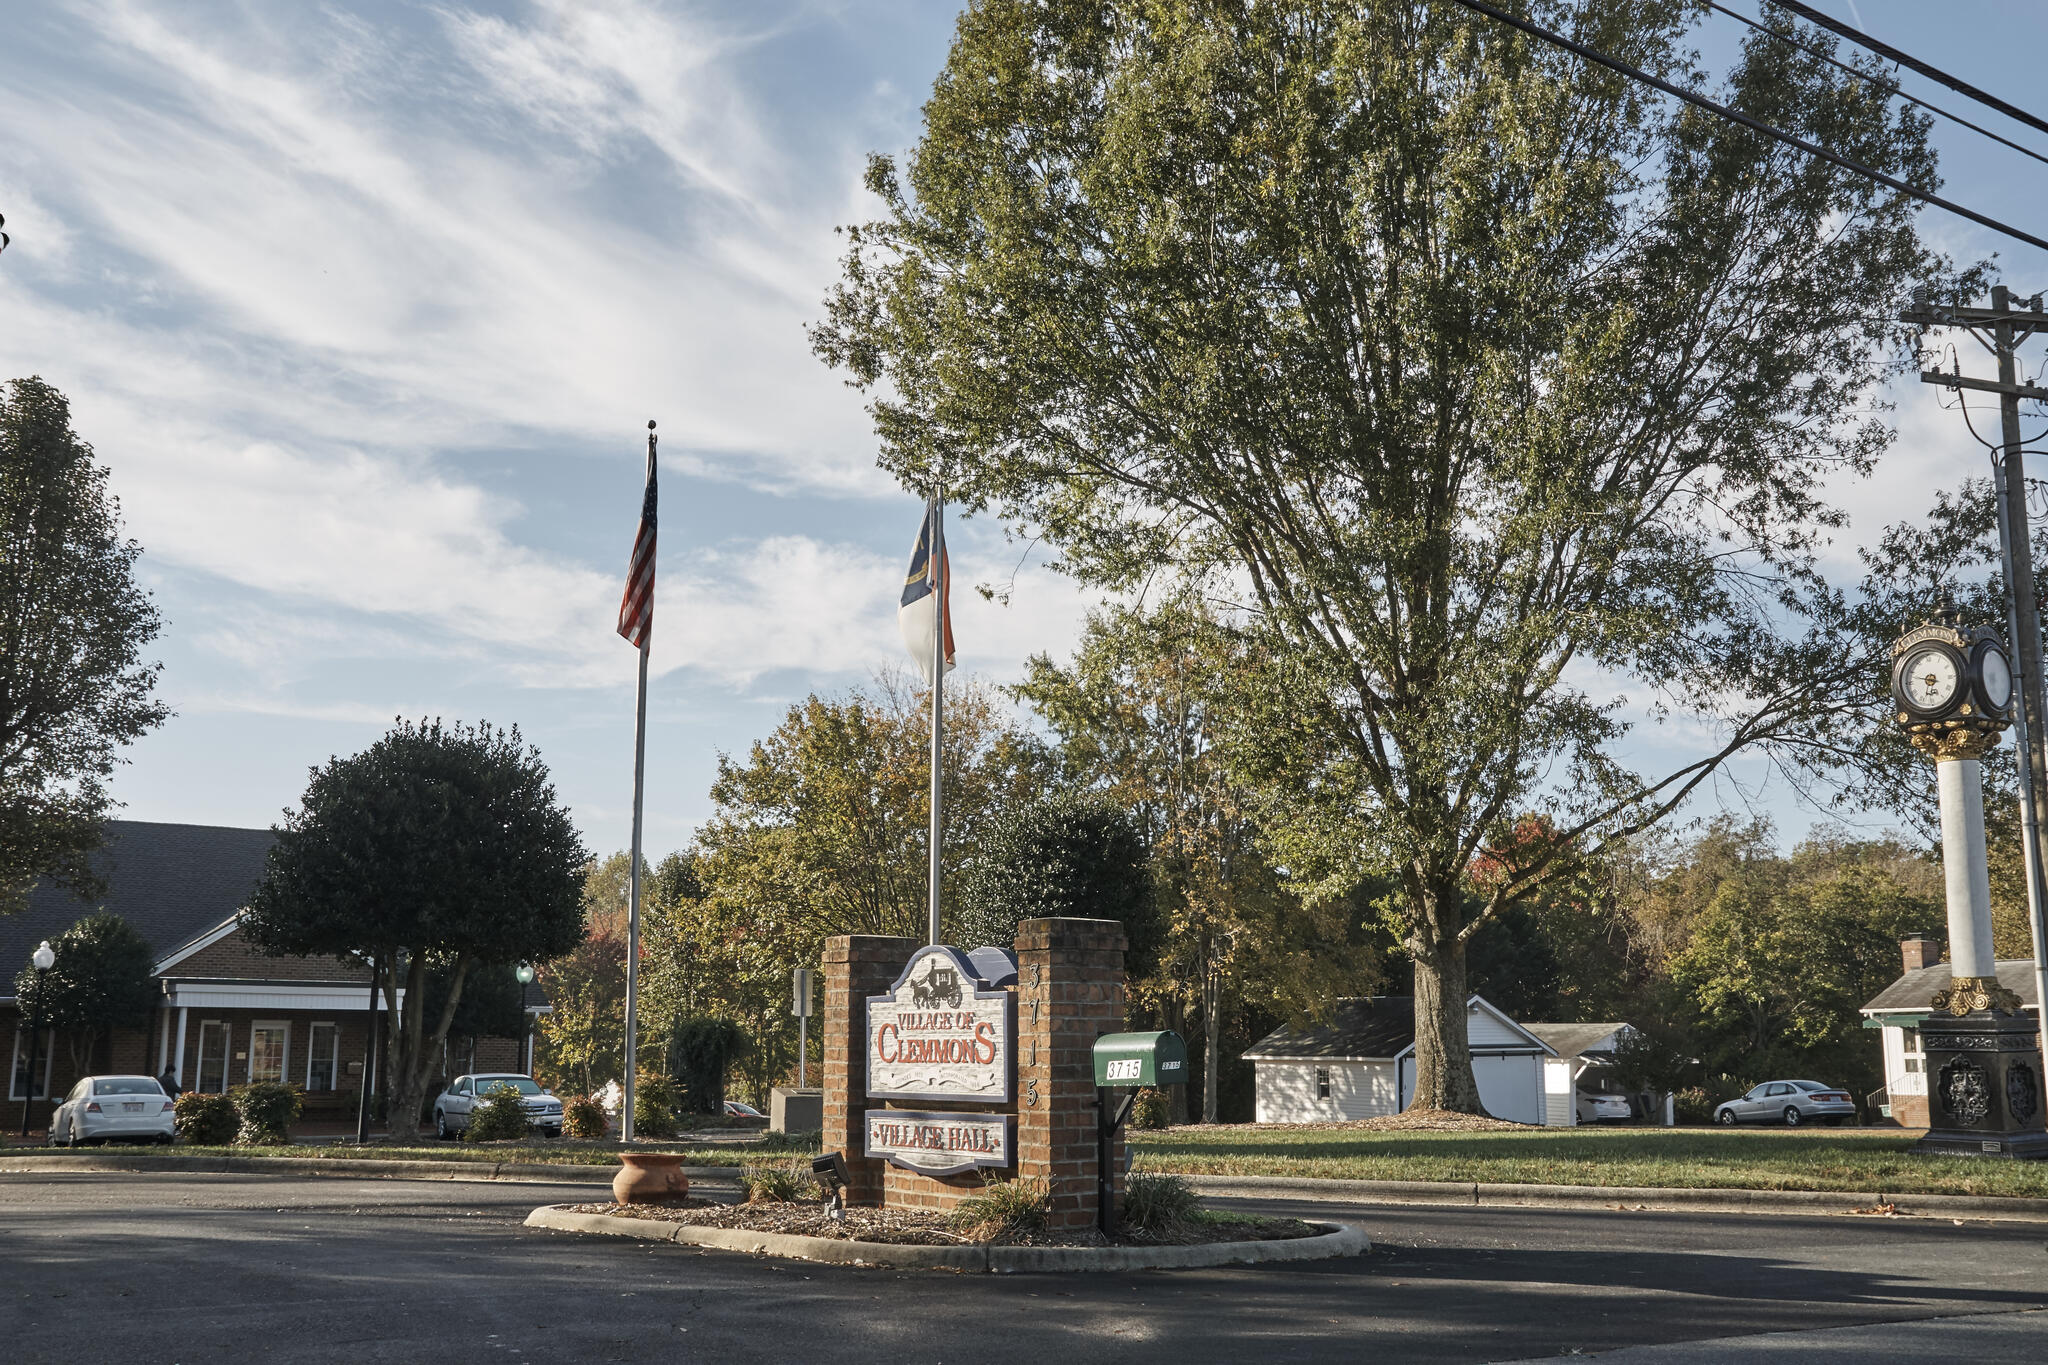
point(1920, 952)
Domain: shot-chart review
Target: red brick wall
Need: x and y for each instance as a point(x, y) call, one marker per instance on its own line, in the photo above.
point(232, 959)
point(1070, 991)
point(856, 967)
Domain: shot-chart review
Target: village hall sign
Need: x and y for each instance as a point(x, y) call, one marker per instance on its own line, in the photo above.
point(939, 1035)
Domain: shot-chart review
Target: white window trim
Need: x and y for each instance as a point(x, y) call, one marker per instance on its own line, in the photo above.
point(227, 1056)
point(22, 1043)
point(334, 1060)
point(284, 1069)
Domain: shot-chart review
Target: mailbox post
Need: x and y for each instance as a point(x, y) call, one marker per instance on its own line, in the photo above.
point(1127, 1061)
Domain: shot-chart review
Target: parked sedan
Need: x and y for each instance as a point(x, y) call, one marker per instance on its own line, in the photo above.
point(1791, 1103)
point(1598, 1108)
point(452, 1106)
point(114, 1108)
point(740, 1109)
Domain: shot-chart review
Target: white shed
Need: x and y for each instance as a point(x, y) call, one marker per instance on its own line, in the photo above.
point(1361, 1064)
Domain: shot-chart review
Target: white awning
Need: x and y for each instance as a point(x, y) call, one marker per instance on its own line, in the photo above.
point(269, 995)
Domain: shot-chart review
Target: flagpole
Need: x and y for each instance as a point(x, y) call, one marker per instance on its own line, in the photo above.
point(633, 875)
point(940, 590)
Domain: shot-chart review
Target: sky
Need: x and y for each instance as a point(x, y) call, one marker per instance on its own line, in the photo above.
point(367, 306)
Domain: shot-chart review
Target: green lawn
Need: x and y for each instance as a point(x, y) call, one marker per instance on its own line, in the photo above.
point(1669, 1158)
point(482, 1153)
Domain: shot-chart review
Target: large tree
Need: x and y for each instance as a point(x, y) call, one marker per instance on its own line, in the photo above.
point(73, 623)
point(1501, 392)
point(100, 981)
point(438, 848)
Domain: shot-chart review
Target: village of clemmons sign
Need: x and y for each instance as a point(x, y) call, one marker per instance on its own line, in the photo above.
point(940, 1035)
point(940, 1144)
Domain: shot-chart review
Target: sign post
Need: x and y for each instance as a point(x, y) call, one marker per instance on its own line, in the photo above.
point(800, 995)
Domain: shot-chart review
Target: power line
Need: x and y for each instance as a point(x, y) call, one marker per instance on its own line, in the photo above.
point(1747, 121)
point(1889, 87)
point(1912, 63)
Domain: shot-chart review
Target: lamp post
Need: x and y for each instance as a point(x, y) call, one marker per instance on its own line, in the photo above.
point(42, 959)
point(524, 974)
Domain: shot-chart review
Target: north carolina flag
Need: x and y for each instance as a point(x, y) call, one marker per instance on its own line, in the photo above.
point(922, 588)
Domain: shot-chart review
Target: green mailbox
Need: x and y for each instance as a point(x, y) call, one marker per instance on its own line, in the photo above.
point(1141, 1059)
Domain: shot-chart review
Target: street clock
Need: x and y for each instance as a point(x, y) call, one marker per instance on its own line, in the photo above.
point(1951, 686)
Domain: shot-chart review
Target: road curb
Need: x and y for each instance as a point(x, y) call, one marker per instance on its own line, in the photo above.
point(1343, 1239)
point(502, 1172)
point(1479, 1194)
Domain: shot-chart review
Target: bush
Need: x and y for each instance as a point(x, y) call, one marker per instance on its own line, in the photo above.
point(583, 1117)
point(1696, 1103)
point(206, 1120)
point(778, 1182)
point(267, 1111)
point(654, 1107)
point(1160, 1204)
point(1152, 1109)
point(1004, 1208)
point(809, 1140)
point(700, 1051)
point(499, 1117)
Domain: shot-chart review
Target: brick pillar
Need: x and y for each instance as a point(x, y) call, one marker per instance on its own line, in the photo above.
point(1070, 991)
point(856, 967)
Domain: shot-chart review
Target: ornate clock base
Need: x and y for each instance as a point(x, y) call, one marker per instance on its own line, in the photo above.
point(1984, 1087)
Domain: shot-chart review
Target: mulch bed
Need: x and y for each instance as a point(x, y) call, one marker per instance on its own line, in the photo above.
point(919, 1228)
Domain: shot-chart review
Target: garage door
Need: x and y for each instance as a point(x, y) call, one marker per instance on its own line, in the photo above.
point(1511, 1087)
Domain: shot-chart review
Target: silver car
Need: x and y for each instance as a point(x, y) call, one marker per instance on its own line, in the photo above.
point(114, 1108)
point(452, 1106)
point(1791, 1103)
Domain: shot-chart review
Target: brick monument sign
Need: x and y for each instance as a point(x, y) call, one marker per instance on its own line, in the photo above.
point(944, 1068)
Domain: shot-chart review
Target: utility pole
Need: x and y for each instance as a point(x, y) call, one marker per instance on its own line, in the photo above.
point(2006, 328)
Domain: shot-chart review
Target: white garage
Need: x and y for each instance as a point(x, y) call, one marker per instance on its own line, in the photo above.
point(1361, 1064)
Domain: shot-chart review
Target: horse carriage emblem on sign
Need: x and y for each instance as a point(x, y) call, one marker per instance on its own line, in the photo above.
point(942, 1033)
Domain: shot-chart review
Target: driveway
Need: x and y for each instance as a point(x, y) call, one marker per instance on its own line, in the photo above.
point(195, 1268)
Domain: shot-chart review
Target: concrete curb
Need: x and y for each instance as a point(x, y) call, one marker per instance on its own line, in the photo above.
point(1343, 1239)
point(1482, 1195)
point(516, 1172)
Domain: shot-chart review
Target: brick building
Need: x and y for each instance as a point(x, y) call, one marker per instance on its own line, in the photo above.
point(228, 1014)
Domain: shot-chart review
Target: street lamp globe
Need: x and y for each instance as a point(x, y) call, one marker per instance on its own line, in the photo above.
point(44, 957)
point(524, 973)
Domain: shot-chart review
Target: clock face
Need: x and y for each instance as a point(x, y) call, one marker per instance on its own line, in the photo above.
point(1997, 674)
point(1930, 679)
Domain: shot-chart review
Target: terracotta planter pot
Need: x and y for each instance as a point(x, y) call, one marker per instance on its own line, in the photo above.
point(650, 1178)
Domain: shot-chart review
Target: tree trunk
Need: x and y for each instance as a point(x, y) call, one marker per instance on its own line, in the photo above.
point(1212, 1037)
point(417, 1045)
point(1443, 1046)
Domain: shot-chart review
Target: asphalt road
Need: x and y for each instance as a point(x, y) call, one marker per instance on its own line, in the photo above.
point(202, 1268)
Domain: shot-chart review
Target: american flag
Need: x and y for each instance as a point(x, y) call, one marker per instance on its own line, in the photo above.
point(636, 608)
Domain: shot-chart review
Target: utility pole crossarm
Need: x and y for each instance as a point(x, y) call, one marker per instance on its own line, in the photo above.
point(1957, 381)
point(2029, 318)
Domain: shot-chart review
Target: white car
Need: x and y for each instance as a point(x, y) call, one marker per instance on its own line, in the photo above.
point(107, 1108)
point(1597, 1108)
point(452, 1106)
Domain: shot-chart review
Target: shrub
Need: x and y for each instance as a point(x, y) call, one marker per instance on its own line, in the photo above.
point(778, 1182)
point(1152, 1109)
point(583, 1117)
point(809, 1140)
point(1159, 1204)
point(1004, 1208)
point(654, 1107)
point(700, 1051)
point(267, 1111)
point(499, 1117)
point(206, 1120)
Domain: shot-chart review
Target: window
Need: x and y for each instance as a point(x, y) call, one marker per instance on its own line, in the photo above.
point(462, 1086)
point(1322, 1082)
point(213, 1057)
point(323, 1050)
point(126, 1085)
point(269, 1041)
point(1915, 1055)
point(18, 1079)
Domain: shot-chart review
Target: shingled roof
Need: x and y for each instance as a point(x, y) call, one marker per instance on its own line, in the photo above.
point(1916, 988)
point(1574, 1040)
point(172, 882)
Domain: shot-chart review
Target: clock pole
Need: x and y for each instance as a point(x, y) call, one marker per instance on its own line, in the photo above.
point(1953, 690)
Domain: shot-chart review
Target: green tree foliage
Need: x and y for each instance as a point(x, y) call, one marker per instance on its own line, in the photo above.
point(1141, 714)
point(1464, 359)
point(582, 1040)
point(700, 1052)
point(73, 624)
point(1065, 854)
point(101, 981)
point(438, 846)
